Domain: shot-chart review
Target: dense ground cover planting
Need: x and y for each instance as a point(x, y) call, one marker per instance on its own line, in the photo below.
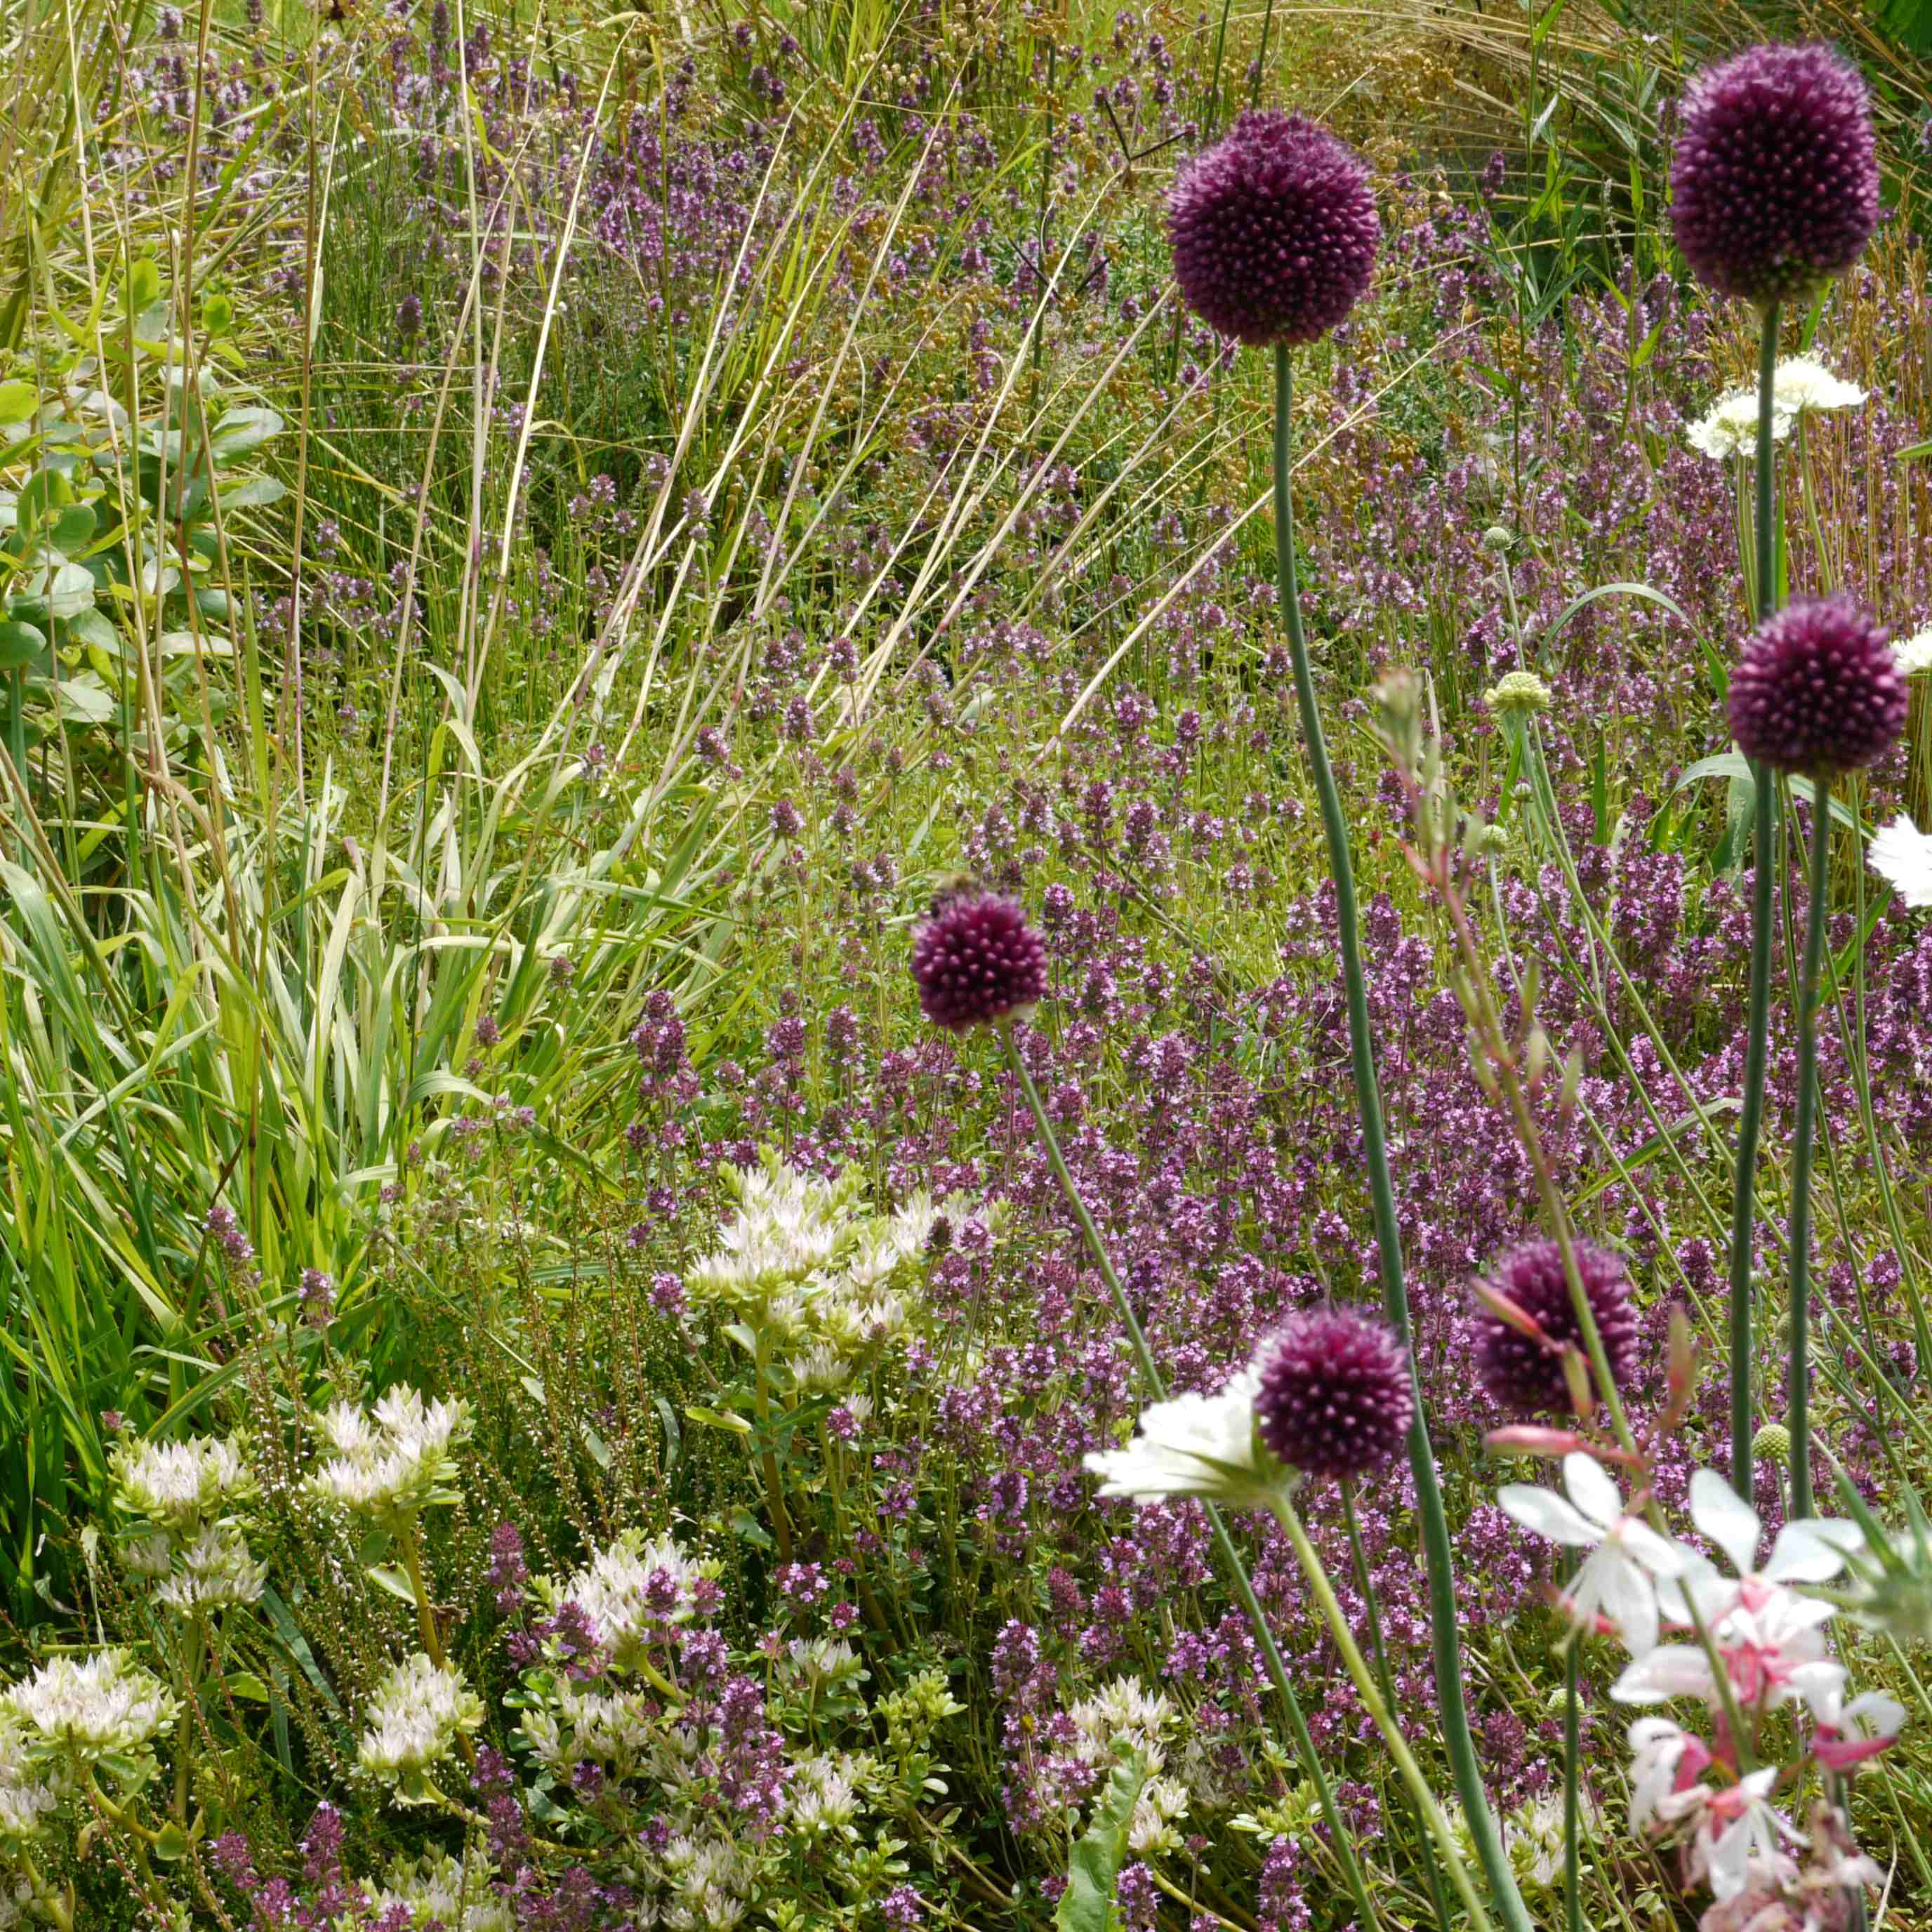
point(550, 1382)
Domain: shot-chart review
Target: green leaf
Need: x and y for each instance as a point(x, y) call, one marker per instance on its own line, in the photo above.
point(744, 1524)
point(72, 528)
point(715, 1418)
point(21, 644)
point(387, 1576)
point(18, 401)
point(1087, 1905)
point(171, 1846)
point(252, 492)
point(144, 285)
point(246, 1685)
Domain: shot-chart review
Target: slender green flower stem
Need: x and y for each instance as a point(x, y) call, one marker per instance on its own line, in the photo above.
point(1432, 1813)
point(1231, 1557)
point(1800, 1410)
point(1445, 1638)
point(1750, 1112)
point(1573, 1901)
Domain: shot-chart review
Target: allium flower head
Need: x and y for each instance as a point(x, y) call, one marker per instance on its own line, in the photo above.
point(419, 1712)
point(1519, 693)
point(1273, 229)
point(1818, 689)
point(1901, 855)
point(1518, 1371)
point(976, 960)
point(1336, 1398)
point(1774, 185)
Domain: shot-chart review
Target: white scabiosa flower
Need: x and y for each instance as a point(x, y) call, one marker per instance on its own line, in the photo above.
point(418, 1713)
point(1901, 855)
point(390, 1464)
point(92, 1707)
point(216, 1571)
point(1194, 1445)
point(1730, 430)
point(1914, 654)
point(179, 1486)
point(1801, 386)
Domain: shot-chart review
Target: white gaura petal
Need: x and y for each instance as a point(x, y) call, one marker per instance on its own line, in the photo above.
point(1726, 1518)
point(1658, 1554)
point(1590, 1489)
point(1629, 1602)
point(1545, 1513)
point(1800, 1555)
point(1673, 1670)
point(1822, 1685)
point(1872, 1714)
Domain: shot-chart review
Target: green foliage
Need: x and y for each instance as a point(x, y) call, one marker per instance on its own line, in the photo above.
point(1087, 1905)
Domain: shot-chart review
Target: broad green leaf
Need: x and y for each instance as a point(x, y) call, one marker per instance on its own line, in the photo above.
point(1094, 1868)
point(21, 644)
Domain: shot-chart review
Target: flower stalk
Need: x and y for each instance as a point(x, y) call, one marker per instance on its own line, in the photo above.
point(1230, 1558)
point(1444, 1634)
point(1804, 1136)
point(1750, 1111)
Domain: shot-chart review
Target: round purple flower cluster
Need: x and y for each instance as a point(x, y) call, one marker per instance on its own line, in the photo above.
point(1273, 230)
point(976, 960)
point(1523, 1375)
point(1774, 182)
point(1818, 689)
point(1336, 1396)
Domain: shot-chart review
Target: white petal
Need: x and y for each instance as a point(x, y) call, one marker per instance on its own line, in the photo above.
point(1726, 1518)
point(1546, 1514)
point(1629, 1602)
point(1872, 1714)
point(1658, 1554)
point(1590, 1489)
point(1674, 1670)
point(1902, 856)
point(1801, 1556)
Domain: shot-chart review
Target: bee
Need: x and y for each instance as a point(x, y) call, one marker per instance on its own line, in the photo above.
point(960, 885)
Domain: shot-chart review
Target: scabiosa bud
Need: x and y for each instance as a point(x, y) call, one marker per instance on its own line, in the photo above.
point(1774, 183)
point(1335, 1397)
point(1818, 689)
point(1273, 230)
point(976, 960)
point(1524, 1376)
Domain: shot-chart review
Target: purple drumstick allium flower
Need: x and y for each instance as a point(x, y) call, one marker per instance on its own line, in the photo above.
point(1774, 182)
point(1273, 230)
point(1335, 1397)
point(1818, 689)
point(1523, 1375)
point(976, 960)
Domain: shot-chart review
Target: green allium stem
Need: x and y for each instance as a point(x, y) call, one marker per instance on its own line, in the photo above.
point(1573, 1902)
point(1750, 1112)
point(1332, 1614)
point(1231, 1557)
point(1445, 1636)
point(1799, 1416)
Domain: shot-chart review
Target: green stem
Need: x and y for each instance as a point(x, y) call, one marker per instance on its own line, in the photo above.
point(1799, 1413)
point(1224, 1543)
point(1445, 1636)
point(432, 1640)
point(1365, 1688)
point(1573, 1902)
point(1750, 1112)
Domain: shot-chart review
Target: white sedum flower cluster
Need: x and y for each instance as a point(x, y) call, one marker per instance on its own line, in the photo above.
point(83, 1710)
point(390, 1463)
point(415, 1719)
point(437, 1890)
point(820, 1279)
point(631, 1591)
point(1800, 387)
point(29, 1788)
point(182, 1536)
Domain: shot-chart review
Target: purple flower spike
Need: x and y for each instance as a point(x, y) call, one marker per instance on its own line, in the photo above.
point(976, 960)
point(1774, 182)
point(1273, 229)
point(1524, 1377)
point(1818, 689)
point(1335, 1397)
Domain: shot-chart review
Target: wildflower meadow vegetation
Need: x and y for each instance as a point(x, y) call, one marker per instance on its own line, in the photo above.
point(965, 964)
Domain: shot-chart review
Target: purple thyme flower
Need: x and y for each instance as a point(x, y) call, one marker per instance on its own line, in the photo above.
point(976, 960)
point(1273, 230)
point(1335, 1397)
point(1774, 182)
point(1818, 689)
point(1523, 1375)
